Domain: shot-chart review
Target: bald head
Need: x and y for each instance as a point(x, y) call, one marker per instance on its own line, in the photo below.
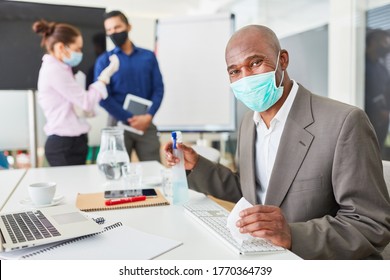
point(255, 49)
point(254, 34)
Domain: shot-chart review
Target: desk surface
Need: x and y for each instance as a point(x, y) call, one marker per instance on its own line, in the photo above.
point(9, 179)
point(168, 221)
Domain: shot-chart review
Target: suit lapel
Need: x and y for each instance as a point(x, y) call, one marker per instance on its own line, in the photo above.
point(247, 158)
point(293, 147)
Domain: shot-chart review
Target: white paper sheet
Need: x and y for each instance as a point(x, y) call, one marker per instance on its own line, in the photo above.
point(234, 216)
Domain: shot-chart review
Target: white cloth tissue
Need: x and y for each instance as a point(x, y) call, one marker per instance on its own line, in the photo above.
point(232, 219)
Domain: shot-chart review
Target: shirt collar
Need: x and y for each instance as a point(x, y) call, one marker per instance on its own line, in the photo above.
point(282, 114)
point(117, 50)
point(48, 58)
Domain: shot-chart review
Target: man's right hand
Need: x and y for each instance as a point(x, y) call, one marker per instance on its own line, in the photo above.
point(190, 156)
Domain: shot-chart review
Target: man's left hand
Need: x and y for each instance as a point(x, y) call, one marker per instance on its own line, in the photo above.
point(268, 222)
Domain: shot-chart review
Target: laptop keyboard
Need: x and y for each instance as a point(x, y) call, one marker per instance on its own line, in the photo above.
point(214, 218)
point(28, 226)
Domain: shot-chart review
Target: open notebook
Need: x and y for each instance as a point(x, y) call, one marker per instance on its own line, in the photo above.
point(116, 242)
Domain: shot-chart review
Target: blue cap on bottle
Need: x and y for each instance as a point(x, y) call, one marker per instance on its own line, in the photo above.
point(174, 139)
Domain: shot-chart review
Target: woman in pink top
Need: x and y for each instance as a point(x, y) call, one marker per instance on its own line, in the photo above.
point(59, 93)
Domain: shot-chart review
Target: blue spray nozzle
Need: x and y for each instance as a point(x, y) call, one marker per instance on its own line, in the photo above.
point(174, 139)
point(177, 137)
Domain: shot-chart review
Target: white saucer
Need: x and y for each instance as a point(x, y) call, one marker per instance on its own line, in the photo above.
point(27, 202)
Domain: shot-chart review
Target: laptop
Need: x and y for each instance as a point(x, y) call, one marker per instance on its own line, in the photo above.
point(28, 228)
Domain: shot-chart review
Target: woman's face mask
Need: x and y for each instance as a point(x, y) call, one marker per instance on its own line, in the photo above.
point(74, 59)
point(259, 92)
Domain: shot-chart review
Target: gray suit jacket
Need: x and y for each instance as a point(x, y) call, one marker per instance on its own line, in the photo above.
point(327, 179)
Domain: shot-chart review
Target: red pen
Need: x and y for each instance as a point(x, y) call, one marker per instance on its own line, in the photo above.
point(125, 200)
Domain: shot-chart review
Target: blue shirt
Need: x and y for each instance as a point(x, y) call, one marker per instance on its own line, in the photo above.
point(138, 74)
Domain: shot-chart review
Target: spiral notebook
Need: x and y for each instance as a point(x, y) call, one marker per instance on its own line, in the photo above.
point(116, 242)
point(96, 202)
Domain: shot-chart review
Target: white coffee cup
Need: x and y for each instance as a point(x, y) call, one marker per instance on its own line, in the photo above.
point(42, 193)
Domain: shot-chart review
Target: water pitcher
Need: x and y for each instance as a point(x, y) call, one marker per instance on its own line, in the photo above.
point(112, 155)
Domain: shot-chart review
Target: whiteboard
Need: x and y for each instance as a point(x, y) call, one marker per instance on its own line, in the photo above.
point(191, 56)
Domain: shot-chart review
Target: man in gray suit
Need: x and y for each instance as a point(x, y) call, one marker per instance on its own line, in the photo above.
point(311, 165)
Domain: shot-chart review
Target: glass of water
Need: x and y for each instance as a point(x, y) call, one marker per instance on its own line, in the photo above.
point(132, 176)
point(166, 182)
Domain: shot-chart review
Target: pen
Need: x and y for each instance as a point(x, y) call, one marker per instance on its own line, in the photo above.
point(125, 200)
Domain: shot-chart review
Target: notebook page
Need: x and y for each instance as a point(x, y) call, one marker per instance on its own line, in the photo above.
point(117, 243)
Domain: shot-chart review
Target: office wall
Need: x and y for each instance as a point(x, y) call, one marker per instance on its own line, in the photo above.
point(13, 120)
point(308, 52)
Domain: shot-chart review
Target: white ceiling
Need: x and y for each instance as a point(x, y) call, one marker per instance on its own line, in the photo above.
point(278, 14)
point(286, 17)
point(161, 8)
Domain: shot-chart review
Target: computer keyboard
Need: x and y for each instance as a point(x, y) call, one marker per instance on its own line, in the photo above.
point(214, 218)
point(29, 225)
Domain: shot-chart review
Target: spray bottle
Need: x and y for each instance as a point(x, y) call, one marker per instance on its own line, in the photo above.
point(179, 178)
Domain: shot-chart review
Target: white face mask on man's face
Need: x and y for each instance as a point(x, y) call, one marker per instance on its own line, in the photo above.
point(259, 92)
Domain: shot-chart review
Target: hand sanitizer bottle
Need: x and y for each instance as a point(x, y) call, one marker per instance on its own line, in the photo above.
point(179, 178)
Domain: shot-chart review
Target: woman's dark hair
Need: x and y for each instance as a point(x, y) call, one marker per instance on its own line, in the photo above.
point(53, 33)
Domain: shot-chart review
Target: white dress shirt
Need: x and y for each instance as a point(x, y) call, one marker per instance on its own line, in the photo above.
point(267, 143)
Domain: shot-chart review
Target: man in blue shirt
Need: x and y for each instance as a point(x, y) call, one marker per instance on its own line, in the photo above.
point(139, 75)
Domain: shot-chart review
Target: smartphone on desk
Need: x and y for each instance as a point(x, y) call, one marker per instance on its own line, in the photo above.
point(130, 193)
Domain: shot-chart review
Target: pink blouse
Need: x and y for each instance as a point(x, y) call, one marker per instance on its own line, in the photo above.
point(58, 91)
